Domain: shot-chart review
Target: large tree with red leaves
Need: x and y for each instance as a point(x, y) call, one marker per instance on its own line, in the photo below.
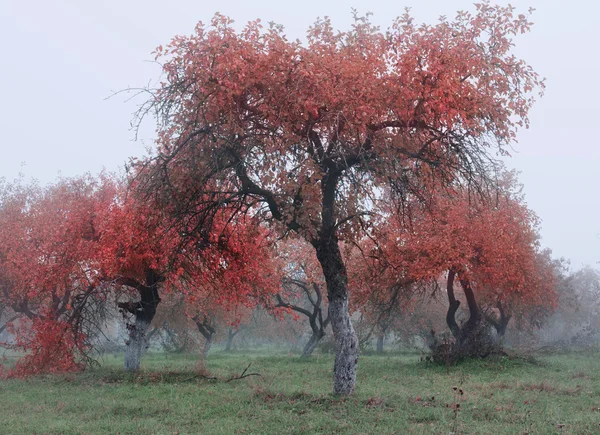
point(304, 135)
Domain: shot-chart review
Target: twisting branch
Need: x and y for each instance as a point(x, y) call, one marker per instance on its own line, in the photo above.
point(244, 374)
point(233, 378)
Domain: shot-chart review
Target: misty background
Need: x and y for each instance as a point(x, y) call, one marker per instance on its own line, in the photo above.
point(60, 61)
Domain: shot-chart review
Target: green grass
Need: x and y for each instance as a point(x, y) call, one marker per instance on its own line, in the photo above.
point(395, 394)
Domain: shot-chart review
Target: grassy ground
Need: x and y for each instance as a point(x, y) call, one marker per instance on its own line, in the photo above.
point(557, 394)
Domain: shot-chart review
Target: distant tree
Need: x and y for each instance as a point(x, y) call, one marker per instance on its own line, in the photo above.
point(532, 306)
point(302, 289)
point(383, 291)
point(576, 322)
point(171, 326)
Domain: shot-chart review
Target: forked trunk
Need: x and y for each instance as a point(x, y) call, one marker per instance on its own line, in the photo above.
point(315, 318)
point(346, 358)
point(208, 331)
point(502, 325)
point(475, 314)
point(472, 338)
point(503, 321)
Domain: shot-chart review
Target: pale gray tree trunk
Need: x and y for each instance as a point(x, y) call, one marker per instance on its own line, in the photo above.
point(336, 277)
point(346, 340)
point(136, 345)
point(143, 312)
point(346, 358)
point(230, 336)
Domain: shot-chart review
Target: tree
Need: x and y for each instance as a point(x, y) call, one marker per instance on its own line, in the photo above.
point(532, 305)
point(304, 136)
point(576, 321)
point(142, 250)
point(272, 326)
point(139, 254)
point(208, 326)
point(245, 275)
point(383, 293)
point(172, 326)
point(490, 247)
point(48, 273)
point(302, 284)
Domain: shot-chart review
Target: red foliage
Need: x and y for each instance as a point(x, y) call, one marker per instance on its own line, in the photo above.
point(234, 272)
point(425, 94)
point(314, 134)
point(51, 347)
point(48, 246)
point(76, 240)
point(493, 244)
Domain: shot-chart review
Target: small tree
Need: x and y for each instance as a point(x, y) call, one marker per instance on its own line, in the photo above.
point(492, 249)
point(383, 291)
point(221, 268)
point(48, 273)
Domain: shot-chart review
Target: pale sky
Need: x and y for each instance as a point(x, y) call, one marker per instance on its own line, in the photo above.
point(60, 59)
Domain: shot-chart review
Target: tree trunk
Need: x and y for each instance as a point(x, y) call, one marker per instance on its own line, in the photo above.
point(144, 312)
point(475, 314)
point(311, 345)
point(208, 331)
point(137, 344)
point(230, 335)
point(208, 341)
point(148, 337)
point(472, 338)
point(380, 338)
point(500, 324)
point(504, 319)
point(346, 358)
point(453, 305)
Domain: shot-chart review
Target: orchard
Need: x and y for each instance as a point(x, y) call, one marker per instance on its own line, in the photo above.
point(347, 194)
